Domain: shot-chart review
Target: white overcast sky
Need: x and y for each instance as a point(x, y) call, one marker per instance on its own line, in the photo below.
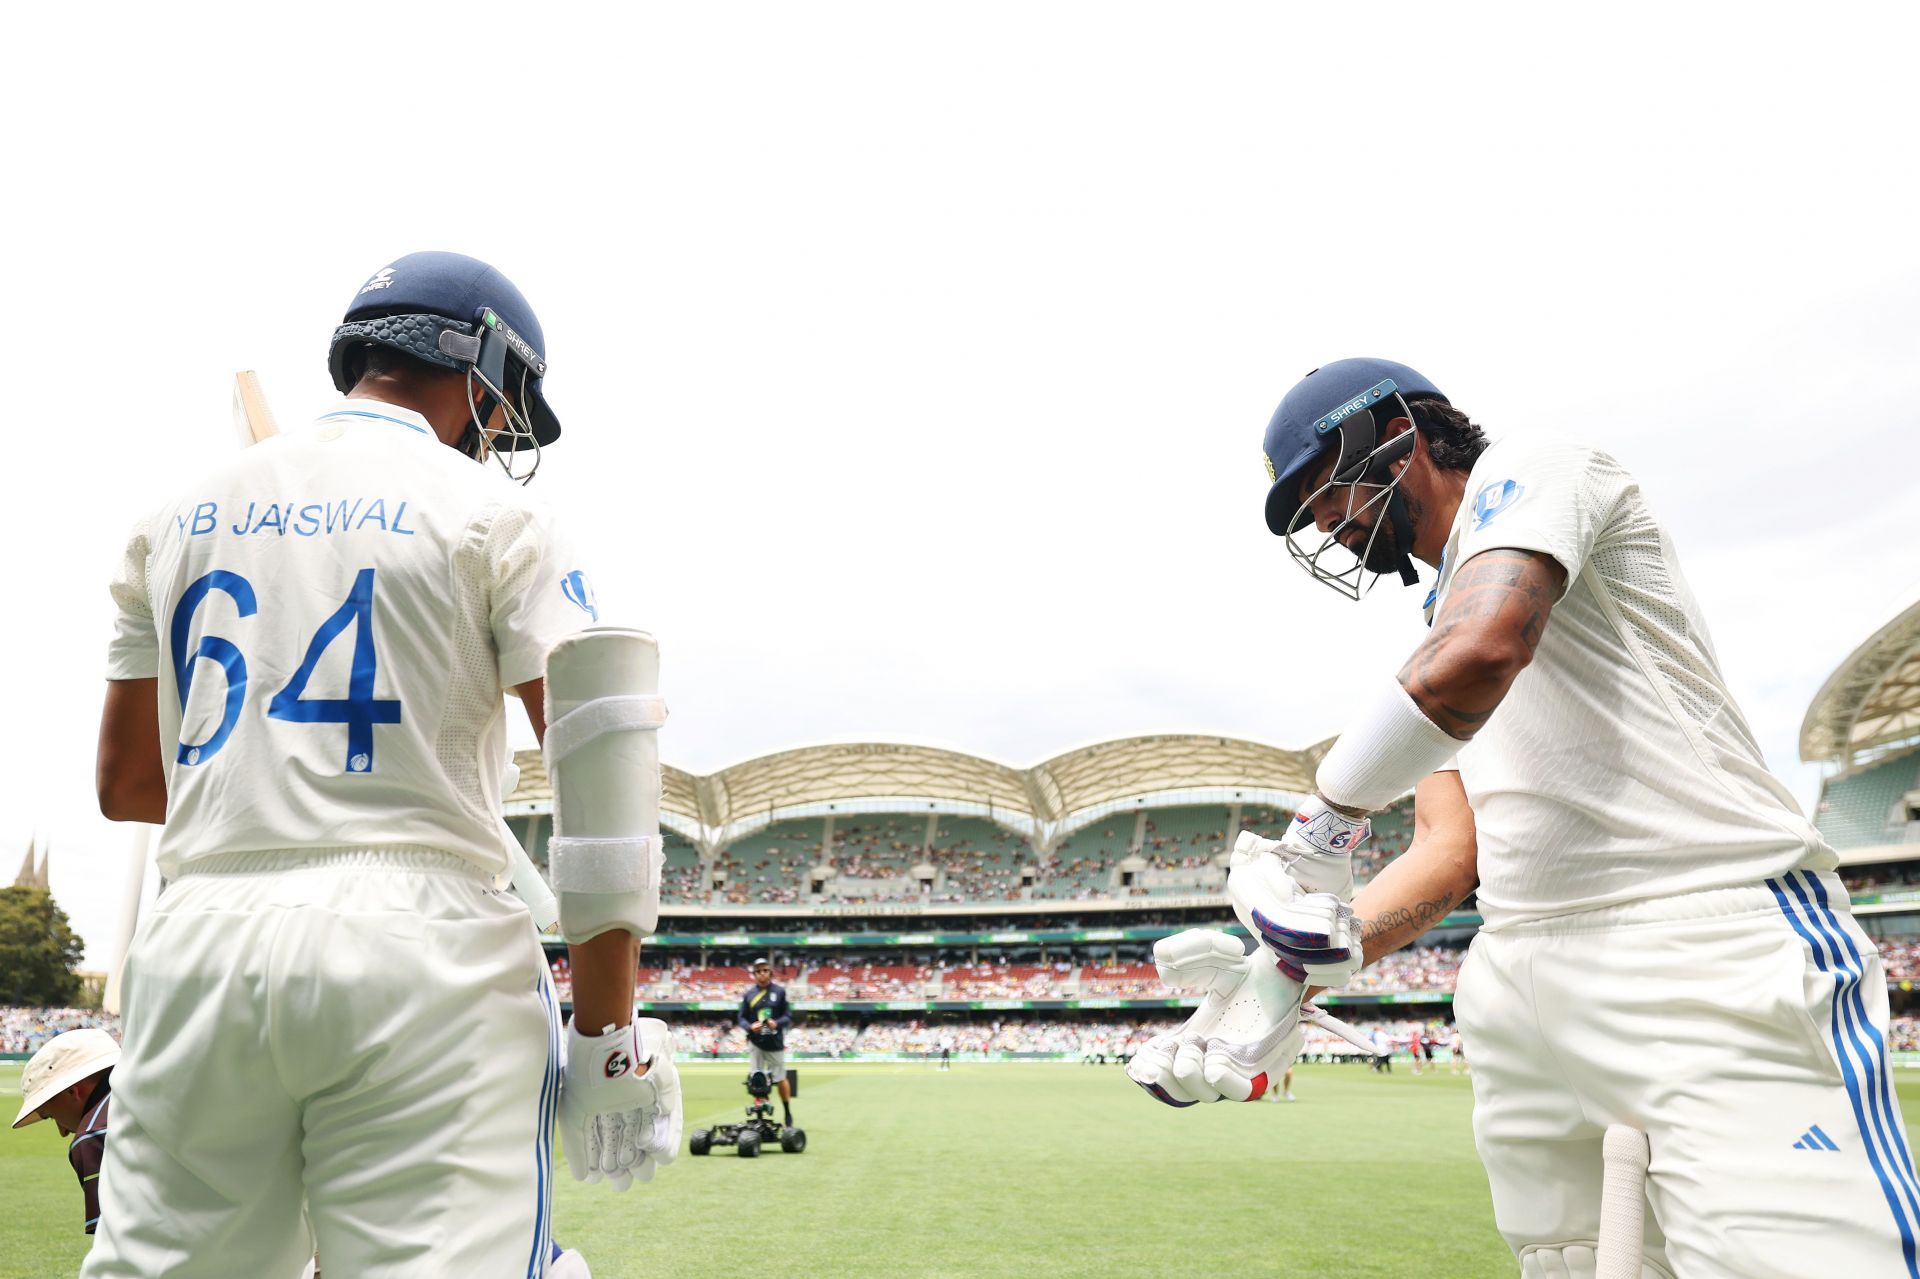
point(914, 358)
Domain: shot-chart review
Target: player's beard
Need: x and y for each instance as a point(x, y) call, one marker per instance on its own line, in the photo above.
point(1383, 556)
point(1378, 552)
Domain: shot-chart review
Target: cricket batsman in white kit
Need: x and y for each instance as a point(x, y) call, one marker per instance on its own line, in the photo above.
point(334, 999)
point(1666, 945)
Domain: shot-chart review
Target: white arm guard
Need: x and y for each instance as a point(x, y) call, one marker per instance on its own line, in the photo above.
point(603, 760)
point(1384, 755)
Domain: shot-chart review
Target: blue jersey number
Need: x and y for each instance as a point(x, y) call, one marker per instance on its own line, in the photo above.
point(360, 710)
point(214, 649)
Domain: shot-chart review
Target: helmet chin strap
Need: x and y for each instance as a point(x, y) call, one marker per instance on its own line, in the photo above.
point(472, 444)
point(1402, 538)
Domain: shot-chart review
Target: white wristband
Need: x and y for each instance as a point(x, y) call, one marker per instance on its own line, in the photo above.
point(1384, 754)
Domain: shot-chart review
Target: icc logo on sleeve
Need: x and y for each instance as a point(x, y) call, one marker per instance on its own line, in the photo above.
point(1493, 499)
point(579, 593)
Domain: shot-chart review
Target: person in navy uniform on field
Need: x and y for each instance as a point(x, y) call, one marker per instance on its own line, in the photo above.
point(765, 1016)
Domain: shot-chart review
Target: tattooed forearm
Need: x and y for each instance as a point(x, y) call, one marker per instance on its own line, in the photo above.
point(1399, 926)
point(1486, 633)
point(1412, 920)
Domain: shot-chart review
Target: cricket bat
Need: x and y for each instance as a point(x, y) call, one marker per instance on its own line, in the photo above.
point(253, 420)
point(251, 416)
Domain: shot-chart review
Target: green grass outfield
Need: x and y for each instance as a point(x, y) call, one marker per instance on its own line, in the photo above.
point(994, 1169)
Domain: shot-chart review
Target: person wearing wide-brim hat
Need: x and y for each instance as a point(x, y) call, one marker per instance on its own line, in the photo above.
point(69, 1081)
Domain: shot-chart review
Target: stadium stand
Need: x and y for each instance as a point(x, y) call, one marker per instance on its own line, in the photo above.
point(1111, 1041)
point(1004, 981)
point(882, 846)
point(866, 981)
point(1872, 877)
point(1122, 981)
point(1420, 969)
point(1082, 866)
point(1901, 955)
point(1863, 809)
point(1182, 837)
point(690, 983)
point(770, 866)
point(977, 860)
point(680, 879)
point(22, 1030)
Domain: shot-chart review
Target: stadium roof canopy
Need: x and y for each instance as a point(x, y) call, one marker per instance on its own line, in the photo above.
point(1047, 795)
point(1872, 700)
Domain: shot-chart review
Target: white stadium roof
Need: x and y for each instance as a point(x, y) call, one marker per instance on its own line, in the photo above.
point(1047, 794)
point(1872, 700)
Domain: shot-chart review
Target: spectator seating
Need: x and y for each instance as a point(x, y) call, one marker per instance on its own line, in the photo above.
point(1002, 981)
point(1859, 810)
point(864, 981)
point(680, 877)
point(770, 865)
point(1122, 981)
point(978, 860)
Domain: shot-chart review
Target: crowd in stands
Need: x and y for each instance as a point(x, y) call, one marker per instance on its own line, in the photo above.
point(878, 847)
point(1005, 981)
point(872, 858)
point(865, 981)
point(1901, 955)
point(1415, 968)
point(1419, 968)
point(1089, 1040)
point(1873, 879)
point(24, 1029)
point(978, 861)
point(1121, 981)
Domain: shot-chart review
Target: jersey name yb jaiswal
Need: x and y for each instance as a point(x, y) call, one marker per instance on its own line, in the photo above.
point(300, 519)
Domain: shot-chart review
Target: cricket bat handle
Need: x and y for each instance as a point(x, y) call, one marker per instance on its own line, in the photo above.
point(1623, 1203)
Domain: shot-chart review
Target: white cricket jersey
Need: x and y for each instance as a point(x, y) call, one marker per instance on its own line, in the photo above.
point(1618, 767)
point(332, 618)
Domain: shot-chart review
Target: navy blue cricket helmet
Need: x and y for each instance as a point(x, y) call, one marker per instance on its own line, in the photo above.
point(1303, 428)
point(455, 312)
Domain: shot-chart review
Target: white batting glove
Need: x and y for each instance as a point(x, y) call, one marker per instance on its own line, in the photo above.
point(1243, 1036)
point(1292, 895)
point(615, 1124)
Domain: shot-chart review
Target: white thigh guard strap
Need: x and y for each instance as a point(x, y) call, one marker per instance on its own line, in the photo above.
point(603, 761)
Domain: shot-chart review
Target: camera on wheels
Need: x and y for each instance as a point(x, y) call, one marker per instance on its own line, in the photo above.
point(758, 1129)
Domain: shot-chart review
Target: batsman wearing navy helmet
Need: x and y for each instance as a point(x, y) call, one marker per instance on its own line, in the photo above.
point(1666, 947)
point(335, 1000)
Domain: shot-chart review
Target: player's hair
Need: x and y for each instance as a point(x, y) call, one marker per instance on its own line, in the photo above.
point(1454, 441)
point(374, 359)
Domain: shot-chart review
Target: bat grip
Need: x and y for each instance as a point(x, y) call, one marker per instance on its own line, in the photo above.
point(1623, 1203)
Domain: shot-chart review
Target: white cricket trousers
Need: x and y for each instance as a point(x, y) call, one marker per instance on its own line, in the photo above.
point(373, 1030)
point(1744, 1030)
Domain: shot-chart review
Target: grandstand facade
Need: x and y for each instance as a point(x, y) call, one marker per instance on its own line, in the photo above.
point(909, 895)
point(1864, 724)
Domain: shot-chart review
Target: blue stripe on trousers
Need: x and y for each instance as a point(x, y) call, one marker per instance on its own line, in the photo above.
point(1865, 1038)
point(543, 1139)
point(1843, 1055)
point(1901, 1158)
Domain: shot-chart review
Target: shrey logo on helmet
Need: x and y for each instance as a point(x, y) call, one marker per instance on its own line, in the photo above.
point(451, 311)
